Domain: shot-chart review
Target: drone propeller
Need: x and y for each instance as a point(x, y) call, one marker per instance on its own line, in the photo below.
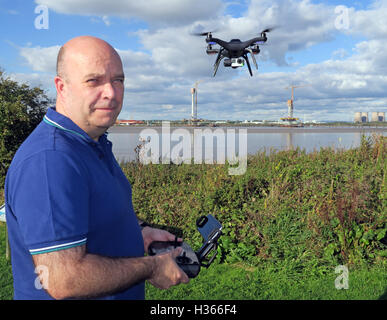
point(263, 35)
point(203, 34)
point(269, 30)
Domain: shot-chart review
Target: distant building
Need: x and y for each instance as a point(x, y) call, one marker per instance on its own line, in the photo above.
point(361, 117)
point(378, 116)
point(128, 122)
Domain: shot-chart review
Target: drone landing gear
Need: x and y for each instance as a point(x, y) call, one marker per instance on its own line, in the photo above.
point(217, 61)
point(253, 57)
point(248, 64)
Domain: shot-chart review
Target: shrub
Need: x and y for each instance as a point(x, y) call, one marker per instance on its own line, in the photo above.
point(323, 208)
point(21, 110)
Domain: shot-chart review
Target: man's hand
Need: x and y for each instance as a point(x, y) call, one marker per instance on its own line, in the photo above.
point(74, 273)
point(151, 234)
point(167, 273)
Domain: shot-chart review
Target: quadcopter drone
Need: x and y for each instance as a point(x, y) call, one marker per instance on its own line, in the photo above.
point(235, 51)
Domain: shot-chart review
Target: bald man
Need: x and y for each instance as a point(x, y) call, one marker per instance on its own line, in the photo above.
point(72, 228)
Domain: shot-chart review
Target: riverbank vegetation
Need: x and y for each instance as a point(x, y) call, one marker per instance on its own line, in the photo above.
point(288, 222)
point(292, 214)
point(322, 208)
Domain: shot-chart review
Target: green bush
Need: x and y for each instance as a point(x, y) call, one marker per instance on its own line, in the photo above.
point(313, 210)
point(21, 110)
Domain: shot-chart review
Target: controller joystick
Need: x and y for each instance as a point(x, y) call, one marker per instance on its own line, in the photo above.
point(183, 259)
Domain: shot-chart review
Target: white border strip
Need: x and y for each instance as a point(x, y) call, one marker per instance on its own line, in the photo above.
point(58, 246)
point(48, 119)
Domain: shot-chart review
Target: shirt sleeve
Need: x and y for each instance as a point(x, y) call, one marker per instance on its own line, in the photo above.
point(50, 198)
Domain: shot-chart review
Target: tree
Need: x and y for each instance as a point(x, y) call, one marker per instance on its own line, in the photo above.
point(21, 109)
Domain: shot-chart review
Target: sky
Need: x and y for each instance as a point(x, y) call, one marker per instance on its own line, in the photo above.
point(335, 50)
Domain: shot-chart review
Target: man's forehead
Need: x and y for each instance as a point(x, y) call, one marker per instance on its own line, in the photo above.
point(91, 51)
point(95, 58)
point(95, 64)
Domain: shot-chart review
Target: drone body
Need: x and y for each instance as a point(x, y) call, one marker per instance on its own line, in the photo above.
point(235, 51)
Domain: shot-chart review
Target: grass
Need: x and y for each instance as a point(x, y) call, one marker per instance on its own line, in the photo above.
point(6, 286)
point(269, 282)
point(239, 281)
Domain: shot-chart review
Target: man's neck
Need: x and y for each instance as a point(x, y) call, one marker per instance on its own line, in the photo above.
point(93, 134)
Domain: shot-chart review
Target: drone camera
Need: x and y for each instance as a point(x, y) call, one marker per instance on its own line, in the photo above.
point(227, 62)
point(234, 62)
point(237, 62)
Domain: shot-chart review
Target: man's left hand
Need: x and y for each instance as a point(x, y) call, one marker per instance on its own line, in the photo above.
point(151, 234)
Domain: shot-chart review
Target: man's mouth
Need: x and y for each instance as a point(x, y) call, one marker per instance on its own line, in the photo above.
point(105, 109)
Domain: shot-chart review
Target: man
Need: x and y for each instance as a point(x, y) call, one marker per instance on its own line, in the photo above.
point(69, 208)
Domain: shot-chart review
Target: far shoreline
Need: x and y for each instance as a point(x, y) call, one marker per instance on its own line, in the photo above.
point(254, 129)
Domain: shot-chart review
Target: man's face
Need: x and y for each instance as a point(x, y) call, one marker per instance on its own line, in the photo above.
point(94, 89)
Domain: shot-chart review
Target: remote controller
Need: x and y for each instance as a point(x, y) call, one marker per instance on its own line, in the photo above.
point(190, 261)
point(187, 260)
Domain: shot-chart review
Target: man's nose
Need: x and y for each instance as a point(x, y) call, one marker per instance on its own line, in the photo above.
point(108, 91)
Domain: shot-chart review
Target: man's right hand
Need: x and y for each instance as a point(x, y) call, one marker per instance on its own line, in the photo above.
point(74, 273)
point(166, 272)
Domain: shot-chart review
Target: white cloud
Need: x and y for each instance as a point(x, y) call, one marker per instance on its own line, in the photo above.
point(340, 53)
point(40, 59)
point(43, 80)
point(371, 22)
point(177, 12)
point(106, 20)
point(301, 25)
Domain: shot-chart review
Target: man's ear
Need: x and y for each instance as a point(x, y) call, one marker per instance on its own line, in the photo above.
point(60, 86)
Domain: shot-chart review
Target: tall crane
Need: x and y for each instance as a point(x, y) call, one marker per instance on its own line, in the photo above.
point(194, 92)
point(291, 103)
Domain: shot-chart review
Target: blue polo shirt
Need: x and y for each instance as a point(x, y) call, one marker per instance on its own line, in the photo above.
point(62, 190)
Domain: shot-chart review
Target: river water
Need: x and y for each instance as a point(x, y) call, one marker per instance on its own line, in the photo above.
point(217, 143)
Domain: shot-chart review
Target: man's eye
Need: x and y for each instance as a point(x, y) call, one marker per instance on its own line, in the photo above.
point(91, 80)
point(119, 80)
